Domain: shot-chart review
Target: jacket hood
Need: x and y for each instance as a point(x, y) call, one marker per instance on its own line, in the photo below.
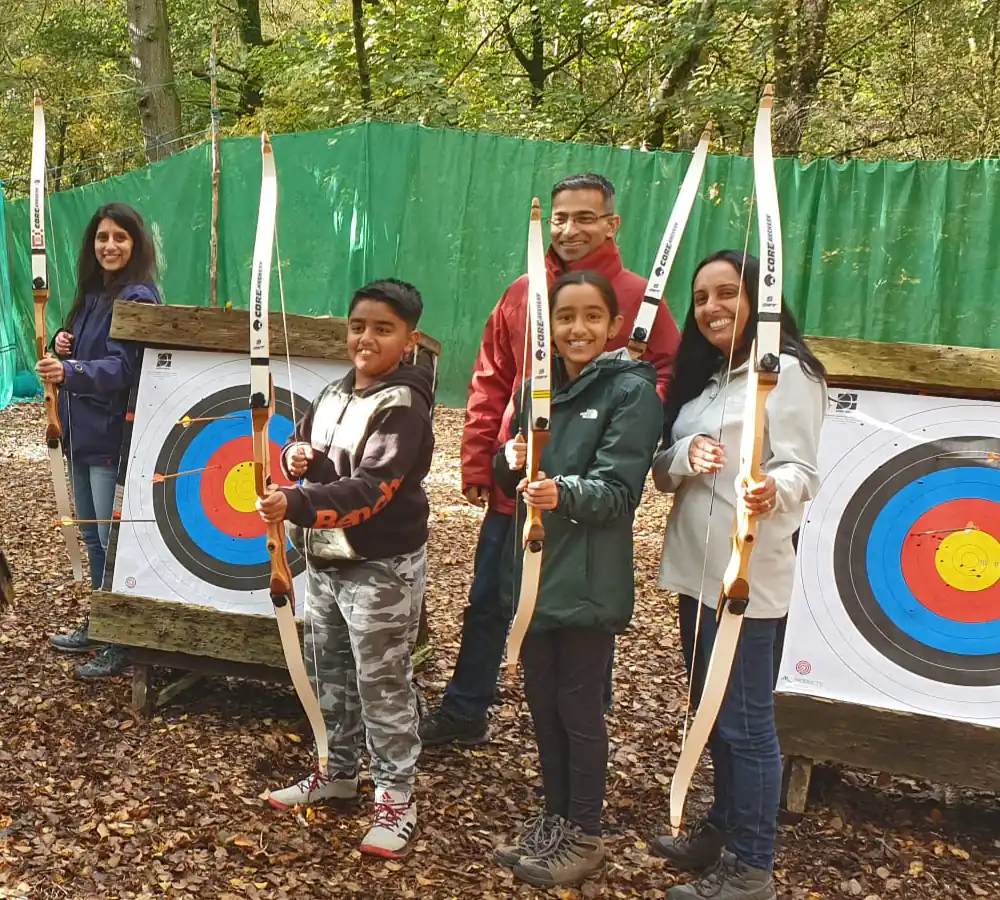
point(417, 378)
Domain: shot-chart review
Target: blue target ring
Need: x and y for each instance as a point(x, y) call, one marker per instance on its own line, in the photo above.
point(231, 548)
point(885, 549)
point(221, 543)
point(868, 566)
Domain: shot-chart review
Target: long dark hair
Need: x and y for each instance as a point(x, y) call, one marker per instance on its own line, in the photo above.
point(697, 360)
point(90, 275)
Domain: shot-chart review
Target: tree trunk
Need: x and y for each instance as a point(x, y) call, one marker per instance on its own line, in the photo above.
point(799, 43)
point(680, 73)
point(159, 106)
point(251, 35)
point(361, 52)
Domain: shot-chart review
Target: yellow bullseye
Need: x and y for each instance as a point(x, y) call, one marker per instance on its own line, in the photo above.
point(969, 560)
point(239, 488)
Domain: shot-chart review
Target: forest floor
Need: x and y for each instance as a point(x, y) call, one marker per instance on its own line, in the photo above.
point(98, 803)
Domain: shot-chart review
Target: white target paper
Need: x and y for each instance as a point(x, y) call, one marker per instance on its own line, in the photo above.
point(183, 556)
point(888, 463)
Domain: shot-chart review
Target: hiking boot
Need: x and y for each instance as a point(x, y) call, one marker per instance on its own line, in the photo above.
point(315, 788)
point(441, 727)
point(534, 841)
point(571, 857)
point(394, 827)
point(110, 659)
point(730, 879)
point(77, 641)
point(693, 852)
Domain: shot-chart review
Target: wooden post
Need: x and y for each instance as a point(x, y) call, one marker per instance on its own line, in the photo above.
point(213, 263)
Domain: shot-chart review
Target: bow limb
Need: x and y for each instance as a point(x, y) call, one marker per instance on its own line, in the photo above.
point(667, 253)
point(538, 338)
point(763, 378)
point(40, 289)
point(261, 410)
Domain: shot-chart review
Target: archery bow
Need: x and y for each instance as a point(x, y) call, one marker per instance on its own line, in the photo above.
point(538, 338)
point(40, 288)
point(261, 411)
point(665, 256)
point(762, 378)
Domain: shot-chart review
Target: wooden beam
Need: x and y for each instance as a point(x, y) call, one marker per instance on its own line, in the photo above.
point(913, 368)
point(205, 328)
point(903, 743)
point(199, 631)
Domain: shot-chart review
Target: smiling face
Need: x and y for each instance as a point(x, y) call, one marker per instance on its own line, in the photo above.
point(581, 325)
point(580, 223)
point(377, 339)
point(721, 305)
point(112, 245)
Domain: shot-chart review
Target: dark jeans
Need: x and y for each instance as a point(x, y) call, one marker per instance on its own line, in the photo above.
point(744, 747)
point(472, 687)
point(687, 608)
point(564, 677)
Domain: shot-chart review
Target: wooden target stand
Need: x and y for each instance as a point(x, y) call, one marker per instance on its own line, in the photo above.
point(200, 640)
point(813, 729)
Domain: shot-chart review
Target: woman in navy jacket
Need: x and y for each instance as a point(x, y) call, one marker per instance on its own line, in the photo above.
point(95, 373)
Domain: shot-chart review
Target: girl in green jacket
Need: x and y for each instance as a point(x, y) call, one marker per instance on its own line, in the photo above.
point(606, 420)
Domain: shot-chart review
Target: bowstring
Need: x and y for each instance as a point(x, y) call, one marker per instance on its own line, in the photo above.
point(295, 419)
point(715, 475)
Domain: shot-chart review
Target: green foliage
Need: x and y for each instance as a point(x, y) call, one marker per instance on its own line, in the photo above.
point(899, 78)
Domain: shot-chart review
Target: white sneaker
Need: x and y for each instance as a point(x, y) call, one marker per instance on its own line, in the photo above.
point(395, 825)
point(315, 788)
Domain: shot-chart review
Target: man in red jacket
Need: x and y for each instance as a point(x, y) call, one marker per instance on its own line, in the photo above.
point(582, 230)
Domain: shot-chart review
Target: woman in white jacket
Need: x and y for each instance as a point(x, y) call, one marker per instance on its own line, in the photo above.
point(704, 414)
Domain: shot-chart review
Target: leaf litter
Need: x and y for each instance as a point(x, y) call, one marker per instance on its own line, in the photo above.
point(96, 802)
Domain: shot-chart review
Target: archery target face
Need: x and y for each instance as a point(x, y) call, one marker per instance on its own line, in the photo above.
point(897, 593)
point(190, 469)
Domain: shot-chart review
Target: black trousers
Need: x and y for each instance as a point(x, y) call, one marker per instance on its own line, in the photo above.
point(565, 672)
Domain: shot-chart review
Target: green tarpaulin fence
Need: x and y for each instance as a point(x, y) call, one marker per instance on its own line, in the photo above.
point(885, 251)
point(8, 330)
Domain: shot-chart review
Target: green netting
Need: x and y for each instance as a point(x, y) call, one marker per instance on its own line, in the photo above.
point(886, 251)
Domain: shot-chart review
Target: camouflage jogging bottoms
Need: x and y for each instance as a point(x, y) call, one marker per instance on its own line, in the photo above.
point(361, 623)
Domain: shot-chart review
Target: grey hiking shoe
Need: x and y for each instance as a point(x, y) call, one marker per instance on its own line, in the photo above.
point(731, 879)
point(441, 727)
point(77, 641)
point(693, 852)
point(571, 857)
point(534, 841)
point(110, 659)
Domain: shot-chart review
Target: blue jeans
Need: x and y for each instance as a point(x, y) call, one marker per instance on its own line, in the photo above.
point(744, 744)
point(484, 627)
point(472, 687)
point(94, 498)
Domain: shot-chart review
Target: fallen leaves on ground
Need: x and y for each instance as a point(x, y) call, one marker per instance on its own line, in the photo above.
point(96, 802)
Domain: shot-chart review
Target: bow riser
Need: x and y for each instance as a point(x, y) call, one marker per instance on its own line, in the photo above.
point(534, 530)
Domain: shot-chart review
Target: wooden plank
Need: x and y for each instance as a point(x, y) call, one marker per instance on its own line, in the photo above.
point(902, 743)
point(913, 368)
point(797, 790)
point(197, 631)
point(203, 665)
point(205, 328)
